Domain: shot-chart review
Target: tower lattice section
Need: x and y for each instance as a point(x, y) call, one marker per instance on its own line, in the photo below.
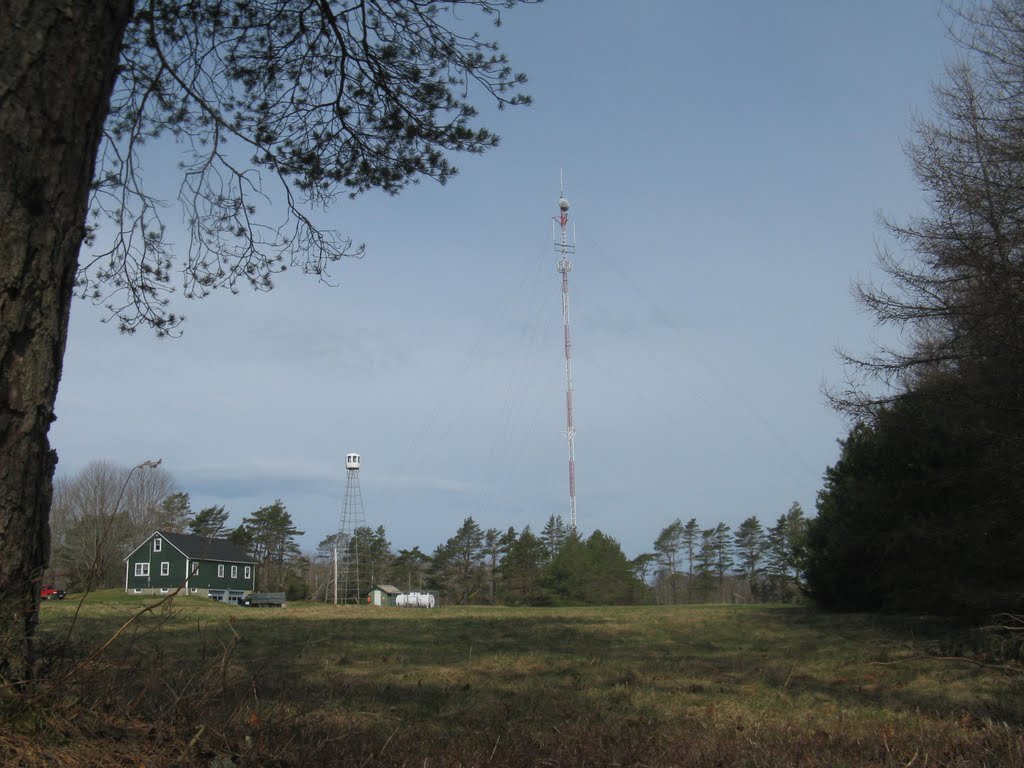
point(349, 578)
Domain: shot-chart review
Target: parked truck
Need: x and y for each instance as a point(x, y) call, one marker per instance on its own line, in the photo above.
point(50, 592)
point(262, 599)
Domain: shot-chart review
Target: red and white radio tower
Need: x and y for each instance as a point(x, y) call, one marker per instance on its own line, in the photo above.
point(565, 250)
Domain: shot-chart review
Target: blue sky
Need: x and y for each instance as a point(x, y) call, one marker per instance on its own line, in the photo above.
point(726, 164)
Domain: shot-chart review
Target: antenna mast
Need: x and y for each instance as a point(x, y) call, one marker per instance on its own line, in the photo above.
point(565, 250)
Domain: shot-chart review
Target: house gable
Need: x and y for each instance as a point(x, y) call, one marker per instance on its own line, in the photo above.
point(167, 561)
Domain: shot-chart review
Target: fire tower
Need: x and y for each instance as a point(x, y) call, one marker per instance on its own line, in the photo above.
point(347, 588)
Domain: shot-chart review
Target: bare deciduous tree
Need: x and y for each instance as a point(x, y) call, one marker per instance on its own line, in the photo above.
point(104, 510)
point(955, 289)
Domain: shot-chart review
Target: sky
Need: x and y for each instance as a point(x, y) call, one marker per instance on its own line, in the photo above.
point(726, 165)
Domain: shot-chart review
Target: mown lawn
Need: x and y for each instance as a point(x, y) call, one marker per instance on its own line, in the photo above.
point(198, 683)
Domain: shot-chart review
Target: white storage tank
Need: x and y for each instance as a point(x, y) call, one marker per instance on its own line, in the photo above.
point(416, 600)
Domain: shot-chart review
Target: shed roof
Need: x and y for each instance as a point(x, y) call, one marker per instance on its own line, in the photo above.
point(387, 589)
point(197, 547)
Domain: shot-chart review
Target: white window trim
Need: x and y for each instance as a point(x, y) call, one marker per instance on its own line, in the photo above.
point(220, 570)
point(248, 571)
point(194, 568)
point(142, 569)
point(163, 590)
point(234, 571)
point(137, 591)
point(165, 568)
point(157, 542)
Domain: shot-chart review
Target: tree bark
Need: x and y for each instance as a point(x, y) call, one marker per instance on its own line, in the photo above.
point(58, 64)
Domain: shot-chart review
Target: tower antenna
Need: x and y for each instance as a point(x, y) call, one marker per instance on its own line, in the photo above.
point(565, 250)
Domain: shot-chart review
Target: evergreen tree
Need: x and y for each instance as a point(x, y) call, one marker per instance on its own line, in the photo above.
point(750, 545)
point(786, 540)
point(667, 549)
point(641, 567)
point(412, 565)
point(554, 536)
point(325, 549)
point(591, 572)
point(524, 568)
point(505, 542)
point(372, 550)
point(210, 522)
point(496, 546)
point(705, 565)
point(241, 537)
point(459, 562)
point(271, 534)
point(907, 522)
point(174, 513)
point(721, 540)
point(689, 540)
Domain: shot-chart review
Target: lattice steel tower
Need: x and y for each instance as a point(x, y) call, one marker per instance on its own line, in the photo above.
point(346, 549)
point(565, 251)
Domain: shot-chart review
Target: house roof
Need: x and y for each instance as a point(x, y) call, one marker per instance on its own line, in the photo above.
point(197, 547)
point(387, 589)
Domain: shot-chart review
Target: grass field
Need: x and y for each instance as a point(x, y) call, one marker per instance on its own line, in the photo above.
point(199, 683)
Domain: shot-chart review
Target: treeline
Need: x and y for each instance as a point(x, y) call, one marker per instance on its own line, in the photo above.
point(100, 514)
point(751, 564)
point(558, 566)
point(493, 566)
point(104, 511)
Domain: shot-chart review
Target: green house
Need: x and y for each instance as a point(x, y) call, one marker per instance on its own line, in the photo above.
point(198, 565)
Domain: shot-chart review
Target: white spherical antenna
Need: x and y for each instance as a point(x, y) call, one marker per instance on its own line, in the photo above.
point(563, 204)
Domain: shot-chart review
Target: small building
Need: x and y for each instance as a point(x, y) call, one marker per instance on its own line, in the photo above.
point(199, 565)
point(383, 594)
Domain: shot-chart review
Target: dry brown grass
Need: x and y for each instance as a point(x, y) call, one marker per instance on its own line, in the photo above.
point(210, 685)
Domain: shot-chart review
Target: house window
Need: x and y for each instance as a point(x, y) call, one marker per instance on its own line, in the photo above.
point(137, 591)
point(234, 571)
point(220, 571)
point(165, 568)
point(248, 572)
point(156, 545)
point(195, 567)
point(163, 590)
point(194, 590)
point(142, 569)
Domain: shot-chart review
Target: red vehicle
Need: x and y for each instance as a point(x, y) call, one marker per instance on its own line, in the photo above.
point(50, 592)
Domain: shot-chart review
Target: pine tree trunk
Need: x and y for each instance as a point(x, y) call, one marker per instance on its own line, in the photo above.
point(58, 61)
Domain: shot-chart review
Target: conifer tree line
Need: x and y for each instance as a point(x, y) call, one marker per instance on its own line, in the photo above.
point(103, 512)
point(491, 566)
point(692, 564)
